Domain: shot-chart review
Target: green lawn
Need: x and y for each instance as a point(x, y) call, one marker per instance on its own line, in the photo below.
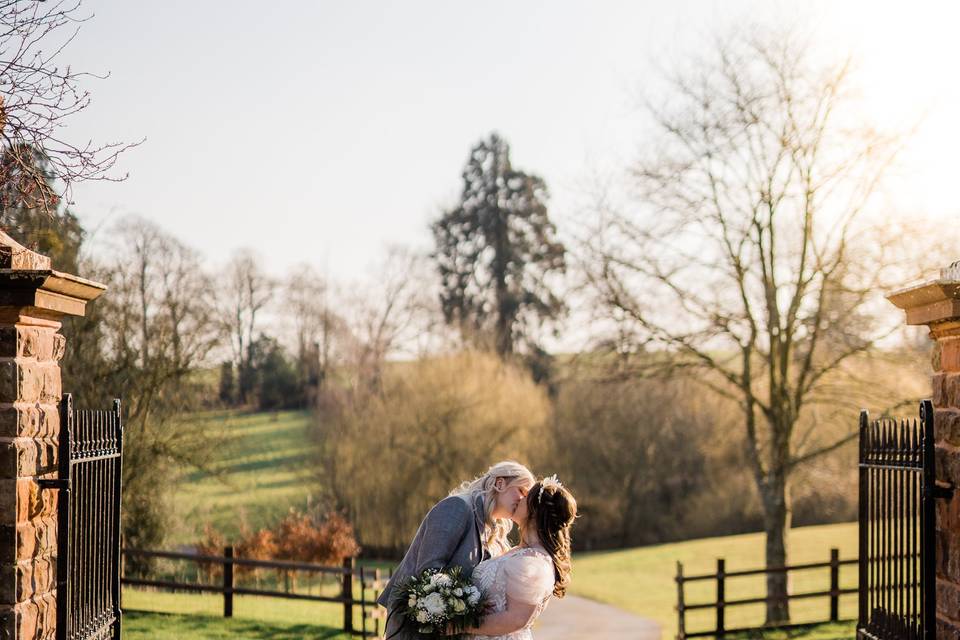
point(838, 631)
point(261, 470)
point(150, 626)
point(292, 616)
point(642, 579)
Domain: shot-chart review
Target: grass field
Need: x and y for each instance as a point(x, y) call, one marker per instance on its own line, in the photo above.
point(268, 612)
point(262, 468)
point(642, 580)
point(153, 626)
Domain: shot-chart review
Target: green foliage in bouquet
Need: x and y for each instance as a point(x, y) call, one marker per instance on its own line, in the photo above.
point(437, 602)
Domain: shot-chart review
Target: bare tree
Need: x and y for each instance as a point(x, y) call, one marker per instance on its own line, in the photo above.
point(394, 313)
point(144, 342)
point(248, 291)
point(40, 94)
point(742, 251)
point(319, 331)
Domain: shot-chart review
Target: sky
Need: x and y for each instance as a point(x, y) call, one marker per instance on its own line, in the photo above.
point(321, 132)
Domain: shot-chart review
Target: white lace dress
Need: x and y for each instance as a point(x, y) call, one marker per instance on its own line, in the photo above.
point(524, 574)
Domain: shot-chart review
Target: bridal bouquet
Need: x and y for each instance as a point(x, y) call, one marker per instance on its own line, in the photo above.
point(437, 602)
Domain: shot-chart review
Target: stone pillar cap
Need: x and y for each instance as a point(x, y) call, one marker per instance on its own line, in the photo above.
point(28, 282)
point(932, 301)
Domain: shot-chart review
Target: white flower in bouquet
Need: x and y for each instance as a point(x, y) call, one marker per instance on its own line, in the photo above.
point(459, 606)
point(473, 595)
point(441, 580)
point(412, 602)
point(423, 616)
point(458, 592)
point(434, 604)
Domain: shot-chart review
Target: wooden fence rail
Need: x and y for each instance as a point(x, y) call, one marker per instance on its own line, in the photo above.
point(721, 603)
point(349, 573)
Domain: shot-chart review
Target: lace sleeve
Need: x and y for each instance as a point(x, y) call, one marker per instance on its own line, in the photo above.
point(529, 578)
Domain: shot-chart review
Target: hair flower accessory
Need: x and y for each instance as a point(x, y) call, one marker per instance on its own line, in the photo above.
point(551, 482)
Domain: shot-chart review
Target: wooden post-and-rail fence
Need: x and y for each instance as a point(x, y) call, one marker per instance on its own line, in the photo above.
point(721, 603)
point(350, 575)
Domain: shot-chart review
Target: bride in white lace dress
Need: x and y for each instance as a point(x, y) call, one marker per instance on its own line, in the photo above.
point(519, 583)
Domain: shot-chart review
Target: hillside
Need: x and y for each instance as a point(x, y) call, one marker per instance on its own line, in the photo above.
point(261, 469)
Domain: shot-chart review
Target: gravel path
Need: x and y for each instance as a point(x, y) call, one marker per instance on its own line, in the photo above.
point(573, 618)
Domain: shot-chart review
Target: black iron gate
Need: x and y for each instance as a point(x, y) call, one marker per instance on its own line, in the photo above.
point(897, 527)
point(88, 531)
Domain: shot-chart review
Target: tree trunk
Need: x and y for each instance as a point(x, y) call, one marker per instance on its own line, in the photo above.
point(776, 518)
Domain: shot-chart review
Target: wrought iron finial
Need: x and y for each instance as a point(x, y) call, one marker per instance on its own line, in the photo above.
point(952, 272)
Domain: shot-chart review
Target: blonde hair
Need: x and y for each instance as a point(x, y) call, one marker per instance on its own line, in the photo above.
point(495, 531)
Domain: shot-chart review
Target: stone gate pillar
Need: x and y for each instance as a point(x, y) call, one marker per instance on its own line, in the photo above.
point(936, 304)
point(33, 300)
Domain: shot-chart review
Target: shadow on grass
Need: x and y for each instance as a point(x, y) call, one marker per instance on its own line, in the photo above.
point(828, 631)
point(139, 625)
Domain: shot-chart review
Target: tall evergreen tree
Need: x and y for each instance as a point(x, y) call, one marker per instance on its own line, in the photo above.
point(496, 251)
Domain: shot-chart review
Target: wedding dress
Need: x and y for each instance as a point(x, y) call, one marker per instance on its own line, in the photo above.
point(525, 574)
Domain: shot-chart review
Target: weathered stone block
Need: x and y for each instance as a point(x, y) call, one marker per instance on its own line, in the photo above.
point(947, 630)
point(34, 502)
point(948, 560)
point(28, 382)
point(15, 499)
point(8, 500)
point(9, 422)
point(949, 354)
point(8, 342)
point(947, 423)
point(26, 457)
point(51, 384)
point(36, 539)
point(38, 618)
point(946, 390)
point(8, 381)
point(29, 621)
point(59, 347)
point(8, 544)
point(948, 598)
point(948, 513)
point(948, 463)
point(28, 342)
point(8, 584)
point(30, 421)
point(937, 390)
point(33, 577)
point(9, 454)
point(942, 554)
point(8, 622)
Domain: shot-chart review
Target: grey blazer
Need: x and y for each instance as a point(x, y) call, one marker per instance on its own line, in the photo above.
point(449, 536)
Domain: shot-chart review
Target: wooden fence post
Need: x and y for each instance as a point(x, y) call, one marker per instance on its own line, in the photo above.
point(376, 620)
point(228, 582)
point(721, 596)
point(681, 622)
point(363, 605)
point(834, 585)
point(347, 594)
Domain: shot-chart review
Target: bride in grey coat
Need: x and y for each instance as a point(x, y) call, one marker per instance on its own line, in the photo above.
point(468, 526)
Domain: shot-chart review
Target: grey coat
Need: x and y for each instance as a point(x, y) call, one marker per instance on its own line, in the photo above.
point(449, 536)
